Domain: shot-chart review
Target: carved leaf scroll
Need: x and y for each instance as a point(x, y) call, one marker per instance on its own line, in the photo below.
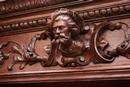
point(73, 43)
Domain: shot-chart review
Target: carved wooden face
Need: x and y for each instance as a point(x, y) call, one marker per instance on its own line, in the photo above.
point(61, 29)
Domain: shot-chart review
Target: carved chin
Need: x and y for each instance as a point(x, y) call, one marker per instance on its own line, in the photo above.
point(58, 41)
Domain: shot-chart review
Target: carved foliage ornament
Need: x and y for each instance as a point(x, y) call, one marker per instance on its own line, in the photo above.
point(73, 43)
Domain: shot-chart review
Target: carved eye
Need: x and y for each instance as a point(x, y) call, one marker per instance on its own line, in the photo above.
point(61, 27)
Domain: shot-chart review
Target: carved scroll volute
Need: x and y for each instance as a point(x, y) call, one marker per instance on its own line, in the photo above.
point(73, 43)
point(68, 43)
point(98, 45)
point(97, 57)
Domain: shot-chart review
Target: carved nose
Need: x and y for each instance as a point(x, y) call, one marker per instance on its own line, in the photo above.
point(57, 31)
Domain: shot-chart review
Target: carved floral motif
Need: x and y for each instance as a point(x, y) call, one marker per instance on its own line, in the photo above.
point(73, 43)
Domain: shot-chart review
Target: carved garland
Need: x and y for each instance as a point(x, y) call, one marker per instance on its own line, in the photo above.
point(72, 43)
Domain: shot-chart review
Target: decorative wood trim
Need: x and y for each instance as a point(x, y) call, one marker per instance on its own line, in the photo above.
point(92, 15)
point(68, 75)
point(72, 43)
point(97, 46)
point(106, 13)
point(32, 6)
point(20, 5)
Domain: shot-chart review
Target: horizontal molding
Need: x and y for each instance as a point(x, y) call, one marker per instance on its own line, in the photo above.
point(92, 15)
point(109, 12)
point(35, 6)
point(68, 75)
point(20, 5)
point(21, 31)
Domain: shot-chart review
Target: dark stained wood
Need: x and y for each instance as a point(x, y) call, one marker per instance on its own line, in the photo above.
point(99, 39)
point(112, 83)
point(38, 19)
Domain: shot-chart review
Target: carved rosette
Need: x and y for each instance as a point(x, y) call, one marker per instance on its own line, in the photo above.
point(73, 43)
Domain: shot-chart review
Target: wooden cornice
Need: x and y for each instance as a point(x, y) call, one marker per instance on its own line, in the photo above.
point(106, 13)
point(11, 6)
point(21, 7)
point(92, 15)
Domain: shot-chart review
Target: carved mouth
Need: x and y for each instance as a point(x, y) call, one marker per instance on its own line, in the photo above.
point(60, 36)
